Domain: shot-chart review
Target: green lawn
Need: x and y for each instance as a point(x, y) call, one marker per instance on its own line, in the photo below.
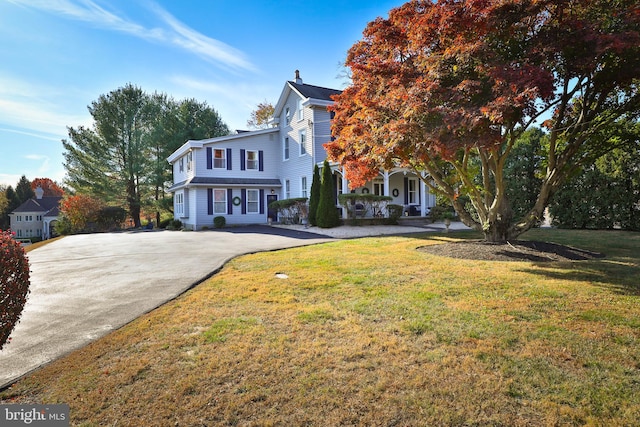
point(372, 332)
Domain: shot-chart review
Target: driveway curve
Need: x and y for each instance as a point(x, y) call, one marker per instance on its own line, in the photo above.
point(85, 286)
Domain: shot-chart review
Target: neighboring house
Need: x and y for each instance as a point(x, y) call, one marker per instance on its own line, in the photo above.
point(237, 176)
point(36, 217)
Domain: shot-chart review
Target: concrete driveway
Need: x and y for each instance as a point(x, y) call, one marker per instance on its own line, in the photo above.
point(83, 287)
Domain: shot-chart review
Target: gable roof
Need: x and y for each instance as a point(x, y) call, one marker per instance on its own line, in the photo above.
point(310, 94)
point(43, 205)
point(199, 143)
point(315, 92)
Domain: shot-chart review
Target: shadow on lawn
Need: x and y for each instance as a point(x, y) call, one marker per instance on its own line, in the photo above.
point(615, 268)
point(619, 276)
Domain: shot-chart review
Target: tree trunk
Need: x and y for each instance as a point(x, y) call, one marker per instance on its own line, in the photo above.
point(134, 203)
point(498, 228)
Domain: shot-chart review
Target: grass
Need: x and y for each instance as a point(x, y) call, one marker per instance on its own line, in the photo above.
point(372, 332)
point(41, 243)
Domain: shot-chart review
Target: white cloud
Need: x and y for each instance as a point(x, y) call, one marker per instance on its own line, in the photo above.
point(44, 166)
point(33, 109)
point(175, 33)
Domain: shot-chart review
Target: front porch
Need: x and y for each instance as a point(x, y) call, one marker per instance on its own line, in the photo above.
point(404, 188)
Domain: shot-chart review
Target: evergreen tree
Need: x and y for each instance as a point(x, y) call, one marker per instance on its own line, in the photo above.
point(23, 190)
point(11, 203)
point(603, 196)
point(327, 214)
point(315, 196)
point(524, 168)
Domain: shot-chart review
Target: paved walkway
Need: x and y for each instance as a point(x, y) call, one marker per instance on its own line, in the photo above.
point(85, 286)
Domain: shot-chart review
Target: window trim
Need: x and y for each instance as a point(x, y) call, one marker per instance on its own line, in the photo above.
point(415, 191)
point(217, 203)
point(249, 202)
point(286, 148)
point(378, 186)
point(179, 203)
point(304, 187)
point(300, 110)
point(222, 159)
point(302, 134)
point(189, 161)
point(255, 160)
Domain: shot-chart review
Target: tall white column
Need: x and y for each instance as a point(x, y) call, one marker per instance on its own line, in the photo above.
point(345, 188)
point(423, 197)
point(385, 177)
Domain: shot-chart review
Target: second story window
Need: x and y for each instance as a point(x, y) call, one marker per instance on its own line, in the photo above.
point(252, 160)
point(219, 158)
point(181, 167)
point(285, 148)
point(303, 142)
point(189, 160)
point(300, 110)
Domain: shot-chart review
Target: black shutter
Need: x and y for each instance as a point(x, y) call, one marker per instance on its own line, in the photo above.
point(261, 200)
point(209, 158)
point(228, 159)
point(242, 160)
point(406, 191)
point(229, 201)
point(210, 201)
point(261, 161)
point(243, 196)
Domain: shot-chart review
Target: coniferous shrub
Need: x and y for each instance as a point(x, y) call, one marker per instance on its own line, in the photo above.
point(219, 222)
point(327, 214)
point(315, 196)
point(14, 284)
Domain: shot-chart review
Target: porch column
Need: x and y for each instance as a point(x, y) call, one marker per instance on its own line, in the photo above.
point(385, 177)
point(345, 187)
point(423, 197)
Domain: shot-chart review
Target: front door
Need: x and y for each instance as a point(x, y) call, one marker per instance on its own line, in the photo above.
point(272, 213)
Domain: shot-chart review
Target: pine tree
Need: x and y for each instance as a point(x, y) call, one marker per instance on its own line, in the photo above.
point(315, 196)
point(327, 214)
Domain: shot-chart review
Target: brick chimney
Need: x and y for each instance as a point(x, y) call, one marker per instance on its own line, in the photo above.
point(298, 79)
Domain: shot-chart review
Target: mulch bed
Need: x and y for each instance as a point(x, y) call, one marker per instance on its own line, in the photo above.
point(519, 250)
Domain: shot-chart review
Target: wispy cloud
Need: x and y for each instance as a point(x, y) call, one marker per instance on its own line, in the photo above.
point(34, 110)
point(174, 32)
point(44, 166)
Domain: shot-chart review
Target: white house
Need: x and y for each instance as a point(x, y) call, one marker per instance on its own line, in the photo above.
point(237, 176)
point(36, 217)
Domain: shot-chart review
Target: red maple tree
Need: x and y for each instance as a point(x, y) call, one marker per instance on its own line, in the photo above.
point(81, 210)
point(445, 89)
point(50, 187)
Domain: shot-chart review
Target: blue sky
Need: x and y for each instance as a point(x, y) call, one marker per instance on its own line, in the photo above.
point(60, 55)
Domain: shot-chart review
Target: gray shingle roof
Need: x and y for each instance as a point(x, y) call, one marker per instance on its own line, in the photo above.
point(233, 182)
point(316, 92)
point(44, 205)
